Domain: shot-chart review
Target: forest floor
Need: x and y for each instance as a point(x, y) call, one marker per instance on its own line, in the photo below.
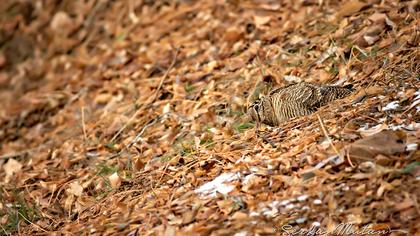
point(129, 118)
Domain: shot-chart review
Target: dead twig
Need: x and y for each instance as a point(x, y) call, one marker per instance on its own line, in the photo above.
point(165, 75)
point(30, 222)
point(154, 98)
point(349, 159)
point(415, 103)
point(138, 136)
point(125, 125)
point(83, 123)
point(16, 154)
point(4, 230)
point(267, 140)
point(136, 139)
point(324, 130)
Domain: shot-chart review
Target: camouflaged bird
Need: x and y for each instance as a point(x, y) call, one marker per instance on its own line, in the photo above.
point(292, 101)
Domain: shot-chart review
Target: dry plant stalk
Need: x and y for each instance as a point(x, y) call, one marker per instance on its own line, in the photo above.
point(324, 130)
point(154, 97)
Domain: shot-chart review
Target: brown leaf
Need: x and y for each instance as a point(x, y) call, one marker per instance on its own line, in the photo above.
point(3, 60)
point(103, 98)
point(188, 216)
point(378, 17)
point(240, 216)
point(225, 206)
point(12, 166)
point(369, 35)
point(114, 180)
point(62, 24)
point(170, 231)
point(233, 35)
point(350, 8)
point(261, 20)
point(374, 90)
point(76, 189)
point(251, 182)
point(407, 203)
point(385, 142)
point(236, 63)
point(138, 164)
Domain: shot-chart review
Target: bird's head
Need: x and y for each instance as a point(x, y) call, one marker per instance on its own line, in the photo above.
point(255, 111)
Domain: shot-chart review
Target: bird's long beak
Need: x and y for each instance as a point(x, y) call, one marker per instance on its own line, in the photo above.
point(257, 128)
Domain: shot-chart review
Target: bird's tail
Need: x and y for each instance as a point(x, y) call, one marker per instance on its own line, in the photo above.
point(331, 93)
point(349, 86)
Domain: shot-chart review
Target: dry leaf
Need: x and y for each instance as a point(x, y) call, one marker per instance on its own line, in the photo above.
point(385, 142)
point(236, 63)
point(75, 188)
point(138, 164)
point(103, 98)
point(170, 231)
point(114, 180)
point(61, 23)
point(350, 8)
point(400, 206)
point(233, 35)
point(11, 167)
point(188, 217)
point(261, 20)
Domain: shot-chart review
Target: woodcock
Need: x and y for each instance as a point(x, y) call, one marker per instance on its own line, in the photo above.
point(285, 103)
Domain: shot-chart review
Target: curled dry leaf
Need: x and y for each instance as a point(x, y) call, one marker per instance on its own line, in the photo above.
point(252, 182)
point(376, 129)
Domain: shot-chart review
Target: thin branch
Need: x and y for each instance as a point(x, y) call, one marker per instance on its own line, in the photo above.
point(324, 130)
point(166, 74)
point(30, 222)
point(137, 138)
point(16, 154)
point(83, 123)
point(415, 103)
point(4, 230)
point(125, 125)
point(267, 140)
point(260, 65)
point(349, 159)
point(154, 99)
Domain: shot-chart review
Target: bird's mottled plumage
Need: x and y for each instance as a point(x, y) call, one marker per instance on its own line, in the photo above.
point(292, 101)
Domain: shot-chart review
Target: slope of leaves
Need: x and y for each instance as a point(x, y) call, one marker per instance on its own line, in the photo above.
point(128, 117)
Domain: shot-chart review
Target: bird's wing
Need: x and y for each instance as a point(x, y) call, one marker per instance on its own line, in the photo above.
point(303, 93)
point(331, 93)
point(292, 109)
point(312, 98)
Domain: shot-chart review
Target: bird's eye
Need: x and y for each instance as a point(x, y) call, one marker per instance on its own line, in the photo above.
point(256, 106)
point(254, 111)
